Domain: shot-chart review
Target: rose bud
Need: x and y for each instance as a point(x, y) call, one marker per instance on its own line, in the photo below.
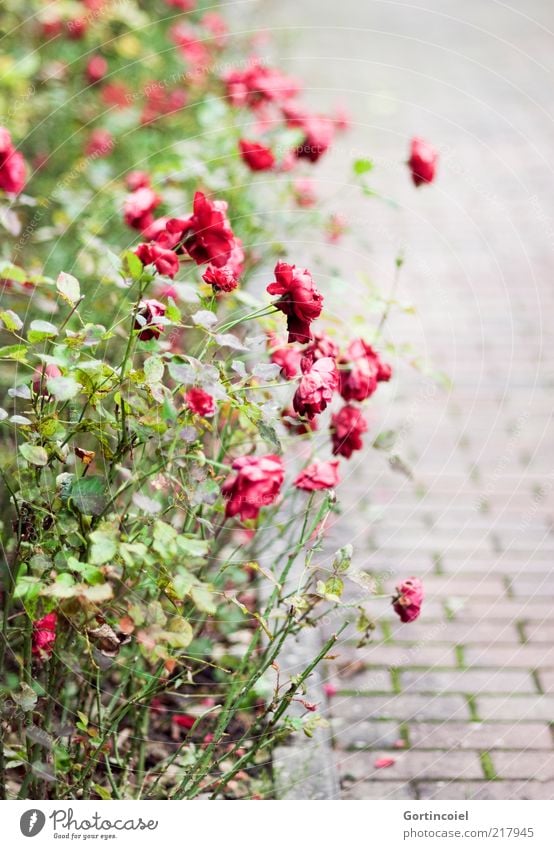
point(407, 603)
point(97, 68)
point(200, 402)
point(257, 156)
point(222, 279)
point(423, 161)
point(44, 636)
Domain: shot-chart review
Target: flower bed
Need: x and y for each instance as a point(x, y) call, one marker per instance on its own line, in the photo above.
point(167, 420)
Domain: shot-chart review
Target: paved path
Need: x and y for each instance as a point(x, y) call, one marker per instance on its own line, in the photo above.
point(469, 688)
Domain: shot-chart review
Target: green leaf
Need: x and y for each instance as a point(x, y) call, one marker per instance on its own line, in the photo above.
point(34, 454)
point(89, 495)
point(203, 598)
point(102, 792)
point(385, 440)
point(40, 330)
point(14, 352)
point(343, 558)
point(25, 697)
point(63, 587)
point(13, 272)
point(63, 388)
point(179, 634)
point(153, 369)
point(104, 545)
point(27, 587)
point(96, 594)
point(68, 287)
point(11, 320)
point(192, 546)
point(269, 435)
point(132, 266)
point(362, 166)
point(334, 586)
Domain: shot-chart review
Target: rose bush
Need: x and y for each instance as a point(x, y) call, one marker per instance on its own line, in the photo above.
point(151, 406)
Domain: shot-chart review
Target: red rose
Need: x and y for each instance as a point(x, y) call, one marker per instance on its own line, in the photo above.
point(44, 636)
point(97, 68)
point(200, 402)
point(366, 370)
point(318, 475)
point(257, 156)
point(259, 84)
point(222, 279)
point(165, 261)
point(149, 311)
point(300, 301)
point(316, 388)
point(41, 376)
point(347, 427)
point(286, 356)
point(139, 206)
point(190, 45)
point(320, 346)
point(207, 234)
point(256, 483)
point(318, 132)
point(76, 28)
point(423, 161)
point(100, 143)
point(407, 603)
point(12, 165)
point(137, 180)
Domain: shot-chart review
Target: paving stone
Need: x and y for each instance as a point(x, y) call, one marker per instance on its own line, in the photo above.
point(536, 765)
point(365, 734)
point(467, 681)
point(404, 708)
point(500, 790)
point(361, 790)
point(546, 680)
point(531, 656)
point(412, 765)
point(480, 735)
point(522, 708)
point(388, 654)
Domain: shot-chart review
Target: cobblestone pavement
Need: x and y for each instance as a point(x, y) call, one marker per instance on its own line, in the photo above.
point(468, 689)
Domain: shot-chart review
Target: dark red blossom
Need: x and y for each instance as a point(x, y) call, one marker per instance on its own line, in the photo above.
point(257, 156)
point(254, 483)
point(408, 600)
point(347, 427)
point(44, 636)
point(139, 207)
point(12, 165)
point(316, 388)
point(300, 301)
point(166, 261)
point(364, 369)
point(200, 402)
point(145, 321)
point(206, 235)
point(423, 161)
point(222, 279)
point(321, 474)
